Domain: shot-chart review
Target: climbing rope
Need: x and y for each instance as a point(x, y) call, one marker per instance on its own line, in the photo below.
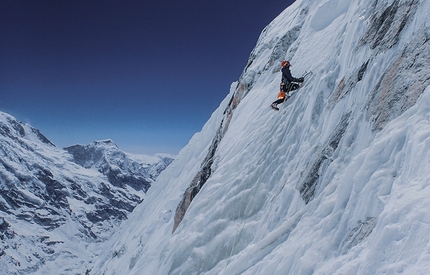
point(306, 74)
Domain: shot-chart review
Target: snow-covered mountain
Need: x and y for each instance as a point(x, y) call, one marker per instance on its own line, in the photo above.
point(54, 204)
point(336, 182)
point(122, 169)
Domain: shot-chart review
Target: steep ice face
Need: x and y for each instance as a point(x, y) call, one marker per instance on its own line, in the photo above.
point(327, 12)
point(336, 182)
point(207, 165)
point(52, 208)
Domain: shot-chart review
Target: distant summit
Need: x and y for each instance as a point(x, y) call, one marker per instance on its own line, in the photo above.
point(120, 167)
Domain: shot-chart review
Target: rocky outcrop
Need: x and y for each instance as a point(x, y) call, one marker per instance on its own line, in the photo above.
point(402, 83)
point(388, 22)
point(206, 167)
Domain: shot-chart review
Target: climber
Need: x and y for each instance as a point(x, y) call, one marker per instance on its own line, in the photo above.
point(288, 84)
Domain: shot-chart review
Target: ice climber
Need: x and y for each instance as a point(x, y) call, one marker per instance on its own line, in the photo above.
point(288, 84)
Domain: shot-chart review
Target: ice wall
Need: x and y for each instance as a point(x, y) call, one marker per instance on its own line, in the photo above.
point(336, 182)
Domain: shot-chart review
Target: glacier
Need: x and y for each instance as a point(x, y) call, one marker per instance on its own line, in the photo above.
point(336, 182)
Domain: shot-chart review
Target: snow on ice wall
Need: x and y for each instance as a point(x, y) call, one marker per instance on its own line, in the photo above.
point(336, 182)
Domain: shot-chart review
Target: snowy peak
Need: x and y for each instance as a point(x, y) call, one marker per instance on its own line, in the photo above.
point(106, 142)
point(120, 168)
point(15, 129)
point(98, 153)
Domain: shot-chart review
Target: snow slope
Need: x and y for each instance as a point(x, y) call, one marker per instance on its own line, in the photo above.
point(336, 182)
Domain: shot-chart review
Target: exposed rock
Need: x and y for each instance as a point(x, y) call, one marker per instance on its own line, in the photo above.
point(386, 25)
point(403, 82)
point(359, 233)
point(308, 186)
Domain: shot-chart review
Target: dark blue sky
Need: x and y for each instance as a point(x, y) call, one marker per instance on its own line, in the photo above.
point(146, 74)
